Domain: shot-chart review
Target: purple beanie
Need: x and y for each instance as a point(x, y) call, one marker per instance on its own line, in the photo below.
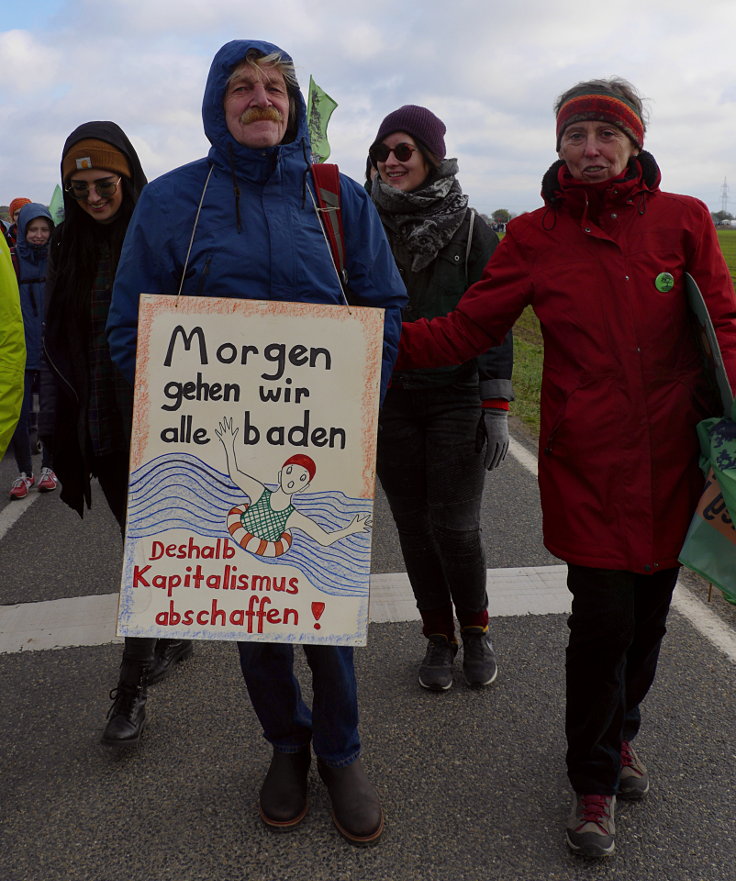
point(418, 122)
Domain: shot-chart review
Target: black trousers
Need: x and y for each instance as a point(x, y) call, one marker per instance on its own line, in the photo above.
point(616, 629)
point(112, 475)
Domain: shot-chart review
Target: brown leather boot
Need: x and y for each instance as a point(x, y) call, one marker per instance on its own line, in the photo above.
point(283, 798)
point(356, 808)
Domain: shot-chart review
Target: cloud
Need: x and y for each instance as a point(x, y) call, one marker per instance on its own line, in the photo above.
point(28, 64)
point(490, 72)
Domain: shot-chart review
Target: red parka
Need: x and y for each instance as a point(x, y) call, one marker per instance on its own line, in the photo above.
point(623, 385)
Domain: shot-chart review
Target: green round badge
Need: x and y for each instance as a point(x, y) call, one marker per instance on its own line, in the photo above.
point(664, 282)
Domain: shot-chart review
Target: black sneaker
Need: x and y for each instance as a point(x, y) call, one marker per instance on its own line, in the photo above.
point(479, 659)
point(435, 672)
point(591, 829)
point(634, 782)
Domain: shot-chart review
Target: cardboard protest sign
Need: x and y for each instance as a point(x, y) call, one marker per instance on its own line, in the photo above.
point(252, 471)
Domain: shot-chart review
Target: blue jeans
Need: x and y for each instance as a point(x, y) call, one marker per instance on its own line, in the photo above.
point(616, 630)
point(433, 479)
point(21, 442)
point(288, 724)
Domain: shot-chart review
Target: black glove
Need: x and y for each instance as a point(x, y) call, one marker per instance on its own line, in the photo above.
point(493, 431)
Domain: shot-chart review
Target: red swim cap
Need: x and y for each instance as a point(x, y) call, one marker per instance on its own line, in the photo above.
point(304, 461)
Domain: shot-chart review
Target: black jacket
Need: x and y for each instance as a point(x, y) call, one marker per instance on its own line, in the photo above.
point(436, 290)
point(66, 347)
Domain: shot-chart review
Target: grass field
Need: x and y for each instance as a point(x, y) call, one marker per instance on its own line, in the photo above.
point(528, 349)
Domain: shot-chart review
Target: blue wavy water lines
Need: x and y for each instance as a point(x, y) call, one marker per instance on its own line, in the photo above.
point(180, 491)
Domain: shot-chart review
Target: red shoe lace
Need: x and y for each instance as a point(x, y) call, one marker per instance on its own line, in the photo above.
point(627, 760)
point(594, 808)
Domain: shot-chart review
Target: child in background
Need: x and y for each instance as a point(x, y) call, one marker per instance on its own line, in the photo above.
point(30, 256)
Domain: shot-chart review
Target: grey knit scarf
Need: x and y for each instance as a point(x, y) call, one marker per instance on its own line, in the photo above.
point(424, 220)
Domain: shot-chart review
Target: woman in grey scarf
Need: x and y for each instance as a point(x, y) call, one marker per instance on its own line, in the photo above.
point(440, 428)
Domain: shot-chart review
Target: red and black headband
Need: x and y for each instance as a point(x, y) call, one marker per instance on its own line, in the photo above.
point(604, 106)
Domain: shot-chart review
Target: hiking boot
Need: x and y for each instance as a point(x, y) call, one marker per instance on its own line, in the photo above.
point(168, 652)
point(435, 672)
point(590, 827)
point(47, 482)
point(634, 781)
point(356, 808)
point(20, 487)
point(127, 715)
point(479, 659)
point(283, 797)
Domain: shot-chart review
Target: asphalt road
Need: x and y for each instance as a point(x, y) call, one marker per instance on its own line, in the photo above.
point(473, 783)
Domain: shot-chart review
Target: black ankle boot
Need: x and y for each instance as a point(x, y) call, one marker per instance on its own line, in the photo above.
point(356, 808)
point(168, 653)
point(283, 798)
point(127, 715)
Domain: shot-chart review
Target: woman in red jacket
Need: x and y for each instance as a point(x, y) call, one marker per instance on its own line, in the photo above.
point(603, 266)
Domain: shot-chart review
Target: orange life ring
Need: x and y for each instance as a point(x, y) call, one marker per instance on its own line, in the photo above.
point(249, 542)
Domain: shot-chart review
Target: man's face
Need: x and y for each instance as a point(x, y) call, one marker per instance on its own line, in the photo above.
point(257, 106)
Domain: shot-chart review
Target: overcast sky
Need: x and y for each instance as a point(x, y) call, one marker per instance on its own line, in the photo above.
point(491, 71)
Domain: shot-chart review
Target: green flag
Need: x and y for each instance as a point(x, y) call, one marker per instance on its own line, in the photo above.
point(56, 206)
point(319, 111)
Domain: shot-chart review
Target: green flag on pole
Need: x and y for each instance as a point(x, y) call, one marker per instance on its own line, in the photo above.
point(319, 111)
point(56, 206)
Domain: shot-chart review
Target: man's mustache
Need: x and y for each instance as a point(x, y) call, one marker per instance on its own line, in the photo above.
point(259, 114)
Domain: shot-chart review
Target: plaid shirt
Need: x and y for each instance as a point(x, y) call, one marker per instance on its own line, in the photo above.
point(110, 397)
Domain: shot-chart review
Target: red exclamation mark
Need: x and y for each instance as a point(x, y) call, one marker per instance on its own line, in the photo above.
point(317, 609)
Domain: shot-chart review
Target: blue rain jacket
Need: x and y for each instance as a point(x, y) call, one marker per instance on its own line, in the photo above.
point(258, 235)
point(31, 261)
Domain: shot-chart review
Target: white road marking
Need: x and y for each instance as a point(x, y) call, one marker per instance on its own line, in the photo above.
point(13, 511)
point(523, 456)
point(705, 622)
point(90, 620)
point(536, 590)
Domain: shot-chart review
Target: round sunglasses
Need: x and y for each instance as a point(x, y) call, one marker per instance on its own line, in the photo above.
point(381, 152)
point(105, 187)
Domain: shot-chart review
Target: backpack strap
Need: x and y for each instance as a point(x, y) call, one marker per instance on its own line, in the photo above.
point(16, 262)
point(327, 187)
point(469, 245)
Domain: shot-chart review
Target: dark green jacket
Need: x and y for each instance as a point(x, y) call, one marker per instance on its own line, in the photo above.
point(436, 289)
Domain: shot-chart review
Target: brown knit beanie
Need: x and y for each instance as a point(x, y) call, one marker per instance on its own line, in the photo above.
point(91, 153)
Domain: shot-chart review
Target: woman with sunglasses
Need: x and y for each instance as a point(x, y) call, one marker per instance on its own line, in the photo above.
point(435, 423)
point(90, 423)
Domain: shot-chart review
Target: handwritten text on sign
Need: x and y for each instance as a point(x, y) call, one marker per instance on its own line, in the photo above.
point(252, 471)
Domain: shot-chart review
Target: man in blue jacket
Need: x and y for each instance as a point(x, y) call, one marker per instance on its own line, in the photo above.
point(242, 223)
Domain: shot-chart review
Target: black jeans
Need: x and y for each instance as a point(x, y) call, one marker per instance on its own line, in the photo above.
point(21, 440)
point(616, 629)
point(433, 479)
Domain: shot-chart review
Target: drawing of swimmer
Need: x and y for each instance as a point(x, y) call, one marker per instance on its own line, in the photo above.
point(263, 526)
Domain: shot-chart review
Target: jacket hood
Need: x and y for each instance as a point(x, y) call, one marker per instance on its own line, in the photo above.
point(111, 133)
point(643, 167)
point(30, 212)
point(225, 149)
